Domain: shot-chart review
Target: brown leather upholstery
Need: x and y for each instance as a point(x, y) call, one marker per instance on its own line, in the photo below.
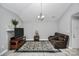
point(59, 40)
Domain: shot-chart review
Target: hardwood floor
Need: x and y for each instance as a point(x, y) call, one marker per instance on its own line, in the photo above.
point(65, 52)
point(12, 53)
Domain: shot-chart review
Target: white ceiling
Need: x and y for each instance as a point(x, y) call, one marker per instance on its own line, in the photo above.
point(30, 11)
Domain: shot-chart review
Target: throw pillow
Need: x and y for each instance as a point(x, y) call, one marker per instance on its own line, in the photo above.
point(61, 39)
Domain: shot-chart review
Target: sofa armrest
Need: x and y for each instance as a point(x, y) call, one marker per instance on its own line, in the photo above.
point(59, 43)
point(52, 37)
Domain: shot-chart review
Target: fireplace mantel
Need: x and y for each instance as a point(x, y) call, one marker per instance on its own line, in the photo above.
point(10, 33)
point(10, 30)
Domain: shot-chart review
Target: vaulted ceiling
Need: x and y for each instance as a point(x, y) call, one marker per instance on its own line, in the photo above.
point(30, 11)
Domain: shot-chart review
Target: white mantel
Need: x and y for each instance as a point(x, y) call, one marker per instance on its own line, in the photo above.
point(10, 30)
point(10, 33)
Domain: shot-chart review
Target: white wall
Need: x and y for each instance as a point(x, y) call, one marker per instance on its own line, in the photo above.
point(5, 19)
point(65, 22)
point(29, 12)
point(45, 29)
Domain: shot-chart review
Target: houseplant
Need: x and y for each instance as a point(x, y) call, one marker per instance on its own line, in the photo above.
point(14, 22)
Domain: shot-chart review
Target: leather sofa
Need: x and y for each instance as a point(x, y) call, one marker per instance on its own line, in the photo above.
point(59, 40)
point(16, 42)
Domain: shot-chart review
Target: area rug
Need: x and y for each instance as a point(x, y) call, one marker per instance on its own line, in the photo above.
point(37, 46)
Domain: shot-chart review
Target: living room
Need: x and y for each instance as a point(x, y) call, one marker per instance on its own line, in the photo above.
point(58, 18)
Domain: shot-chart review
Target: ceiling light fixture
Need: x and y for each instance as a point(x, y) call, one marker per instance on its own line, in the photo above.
point(41, 16)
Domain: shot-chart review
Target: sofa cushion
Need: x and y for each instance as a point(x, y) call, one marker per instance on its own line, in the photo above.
point(61, 39)
point(55, 37)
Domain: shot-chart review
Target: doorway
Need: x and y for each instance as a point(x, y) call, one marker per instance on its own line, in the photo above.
point(75, 30)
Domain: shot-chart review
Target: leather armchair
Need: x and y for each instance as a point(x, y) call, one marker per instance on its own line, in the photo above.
point(59, 40)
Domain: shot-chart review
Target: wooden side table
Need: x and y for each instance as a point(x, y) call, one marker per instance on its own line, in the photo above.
point(36, 38)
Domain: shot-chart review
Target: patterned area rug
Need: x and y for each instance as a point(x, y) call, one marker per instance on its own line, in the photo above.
point(37, 46)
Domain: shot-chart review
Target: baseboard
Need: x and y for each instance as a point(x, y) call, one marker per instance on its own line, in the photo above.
point(3, 52)
point(69, 47)
point(33, 39)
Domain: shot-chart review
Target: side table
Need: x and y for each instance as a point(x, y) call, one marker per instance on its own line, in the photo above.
point(36, 38)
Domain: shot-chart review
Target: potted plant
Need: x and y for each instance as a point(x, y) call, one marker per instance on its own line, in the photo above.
point(14, 22)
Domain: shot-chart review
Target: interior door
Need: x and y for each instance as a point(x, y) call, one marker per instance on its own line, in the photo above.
point(75, 32)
